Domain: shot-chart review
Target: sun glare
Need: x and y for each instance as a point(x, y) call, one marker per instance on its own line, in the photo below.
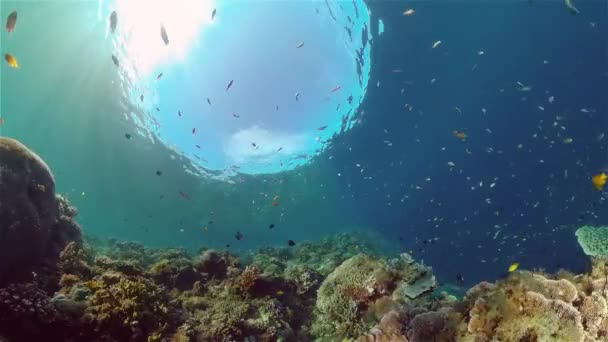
point(139, 25)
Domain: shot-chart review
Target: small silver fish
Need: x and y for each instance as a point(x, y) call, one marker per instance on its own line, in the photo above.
point(115, 60)
point(113, 21)
point(163, 34)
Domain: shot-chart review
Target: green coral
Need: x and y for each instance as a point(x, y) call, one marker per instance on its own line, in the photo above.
point(593, 240)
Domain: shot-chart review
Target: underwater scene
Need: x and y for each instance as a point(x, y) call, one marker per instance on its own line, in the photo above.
point(295, 170)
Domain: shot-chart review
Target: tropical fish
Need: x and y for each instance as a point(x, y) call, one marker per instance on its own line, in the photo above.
point(335, 89)
point(513, 267)
point(141, 97)
point(436, 44)
point(236, 115)
point(229, 85)
point(238, 236)
point(571, 7)
point(599, 181)
point(300, 45)
point(213, 13)
point(115, 60)
point(184, 195)
point(275, 204)
point(209, 101)
point(409, 12)
point(163, 34)
point(113, 21)
point(1, 121)
point(280, 293)
point(460, 135)
point(179, 113)
point(159, 76)
point(194, 131)
point(11, 21)
point(11, 60)
point(291, 243)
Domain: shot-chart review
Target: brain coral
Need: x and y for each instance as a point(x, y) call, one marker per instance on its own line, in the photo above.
point(593, 240)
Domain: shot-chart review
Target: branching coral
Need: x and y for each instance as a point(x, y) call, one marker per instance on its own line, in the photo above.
point(247, 280)
point(131, 308)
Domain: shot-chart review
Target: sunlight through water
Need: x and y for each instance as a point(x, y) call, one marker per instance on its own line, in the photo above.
point(231, 89)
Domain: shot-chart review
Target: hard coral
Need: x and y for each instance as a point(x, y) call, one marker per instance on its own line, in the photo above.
point(511, 311)
point(247, 280)
point(127, 308)
point(214, 263)
point(343, 298)
point(33, 225)
point(73, 260)
point(27, 314)
point(356, 295)
point(175, 273)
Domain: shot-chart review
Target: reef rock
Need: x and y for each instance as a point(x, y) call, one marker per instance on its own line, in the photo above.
point(34, 224)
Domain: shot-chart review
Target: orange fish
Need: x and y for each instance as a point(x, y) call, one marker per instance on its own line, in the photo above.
point(275, 204)
point(460, 135)
point(11, 60)
point(599, 181)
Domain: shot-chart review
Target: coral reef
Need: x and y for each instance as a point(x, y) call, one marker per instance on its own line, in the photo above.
point(593, 240)
point(54, 287)
point(35, 224)
point(352, 297)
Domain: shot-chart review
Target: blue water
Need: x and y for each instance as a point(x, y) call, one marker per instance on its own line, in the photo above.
point(382, 167)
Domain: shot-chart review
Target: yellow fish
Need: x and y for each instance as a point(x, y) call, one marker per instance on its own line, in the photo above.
point(599, 181)
point(513, 267)
point(11, 60)
point(280, 293)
